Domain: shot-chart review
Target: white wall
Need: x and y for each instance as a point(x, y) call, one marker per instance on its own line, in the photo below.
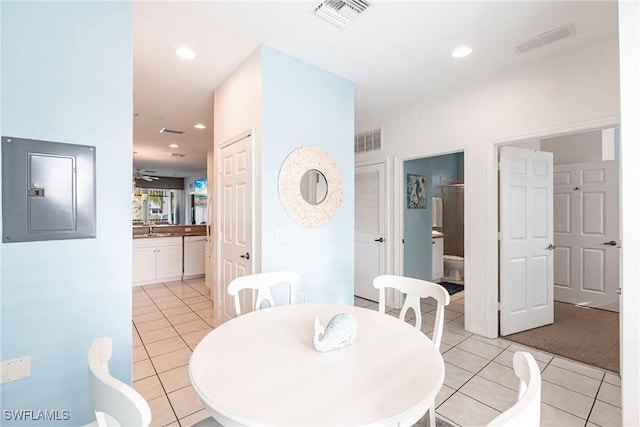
point(575, 148)
point(580, 86)
point(67, 76)
point(629, 19)
point(529, 144)
point(236, 106)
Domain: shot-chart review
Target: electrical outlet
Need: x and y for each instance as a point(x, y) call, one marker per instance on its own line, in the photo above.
point(303, 297)
point(281, 236)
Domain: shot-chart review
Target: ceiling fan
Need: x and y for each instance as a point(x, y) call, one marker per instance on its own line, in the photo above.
point(144, 177)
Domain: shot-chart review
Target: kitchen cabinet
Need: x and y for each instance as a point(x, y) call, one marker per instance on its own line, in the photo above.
point(437, 258)
point(157, 259)
point(194, 256)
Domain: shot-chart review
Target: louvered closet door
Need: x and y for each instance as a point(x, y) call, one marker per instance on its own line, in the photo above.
point(370, 233)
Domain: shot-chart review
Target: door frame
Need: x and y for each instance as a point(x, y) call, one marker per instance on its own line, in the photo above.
point(493, 270)
point(216, 292)
point(398, 186)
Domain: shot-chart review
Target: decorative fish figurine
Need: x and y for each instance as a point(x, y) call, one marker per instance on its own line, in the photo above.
point(339, 333)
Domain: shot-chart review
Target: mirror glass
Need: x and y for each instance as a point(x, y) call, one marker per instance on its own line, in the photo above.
point(313, 187)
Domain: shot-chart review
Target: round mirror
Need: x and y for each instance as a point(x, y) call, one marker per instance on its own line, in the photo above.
point(310, 186)
point(313, 187)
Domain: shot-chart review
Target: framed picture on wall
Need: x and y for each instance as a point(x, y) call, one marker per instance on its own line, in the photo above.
point(416, 191)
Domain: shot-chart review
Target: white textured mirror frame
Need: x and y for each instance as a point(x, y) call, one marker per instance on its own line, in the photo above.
point(297, 163)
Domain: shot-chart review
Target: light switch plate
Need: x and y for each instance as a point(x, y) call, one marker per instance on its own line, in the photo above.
point(15, 369)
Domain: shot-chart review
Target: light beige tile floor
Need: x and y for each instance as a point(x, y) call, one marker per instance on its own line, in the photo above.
point(170, 319)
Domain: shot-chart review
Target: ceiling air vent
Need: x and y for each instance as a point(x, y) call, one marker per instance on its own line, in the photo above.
point(546, 38)
point(368, 141)
point(176, 132)
point(176, 155)
point(340, 12)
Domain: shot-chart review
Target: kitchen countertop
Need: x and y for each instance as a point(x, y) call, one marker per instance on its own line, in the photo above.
point(166, 230)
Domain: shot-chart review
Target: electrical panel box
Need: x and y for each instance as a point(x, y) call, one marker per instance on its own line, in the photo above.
point(48, 191)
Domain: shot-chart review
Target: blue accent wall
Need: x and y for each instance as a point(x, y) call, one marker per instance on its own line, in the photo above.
point(305, 105)
point(418, 222)
point(67, 77)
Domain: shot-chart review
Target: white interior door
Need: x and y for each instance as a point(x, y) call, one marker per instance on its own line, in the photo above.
point(526, 239)
point(370, 240)
point(586, 234)
point(235, 210)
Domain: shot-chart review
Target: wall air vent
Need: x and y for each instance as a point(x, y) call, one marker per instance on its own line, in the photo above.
point(340, 12)
point(368, 141)
point(176, 155)
point(546, 38)
point(176, 132)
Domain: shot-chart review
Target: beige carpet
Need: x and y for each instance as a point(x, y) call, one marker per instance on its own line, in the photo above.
point(587, 335)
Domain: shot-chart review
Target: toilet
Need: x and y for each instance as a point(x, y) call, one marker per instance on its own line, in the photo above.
point(453, 268)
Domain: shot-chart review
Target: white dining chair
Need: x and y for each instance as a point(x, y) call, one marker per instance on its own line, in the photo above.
point(114, 402)
point(263, 282)
point(415, 289)
point(526, 411)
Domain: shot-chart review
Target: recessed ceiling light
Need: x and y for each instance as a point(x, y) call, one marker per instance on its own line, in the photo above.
point(185, 53)
point(461, 52)
point(173, 145)
point(199, 126)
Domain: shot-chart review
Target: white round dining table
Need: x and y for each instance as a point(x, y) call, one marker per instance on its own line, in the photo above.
point(261, 368)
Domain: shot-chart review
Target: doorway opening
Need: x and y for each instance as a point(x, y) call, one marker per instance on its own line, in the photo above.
point(585, 249)
point(433, 218)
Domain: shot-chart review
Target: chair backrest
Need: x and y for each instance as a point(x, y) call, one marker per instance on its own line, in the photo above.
point(526, 411)
point(114, 402)
point(414, 290)
point(262, 282)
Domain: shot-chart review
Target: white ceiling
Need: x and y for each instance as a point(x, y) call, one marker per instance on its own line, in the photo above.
point(396, 52)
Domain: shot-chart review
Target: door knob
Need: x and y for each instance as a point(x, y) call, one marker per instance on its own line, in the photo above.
point(550, 247)
point(611, 243)
point(379, 240)
point(245, 256)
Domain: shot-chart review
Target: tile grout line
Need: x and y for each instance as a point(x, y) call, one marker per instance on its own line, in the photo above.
point(180, 335)
point(594, 399)
point(458, 390)
point(166, 394)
